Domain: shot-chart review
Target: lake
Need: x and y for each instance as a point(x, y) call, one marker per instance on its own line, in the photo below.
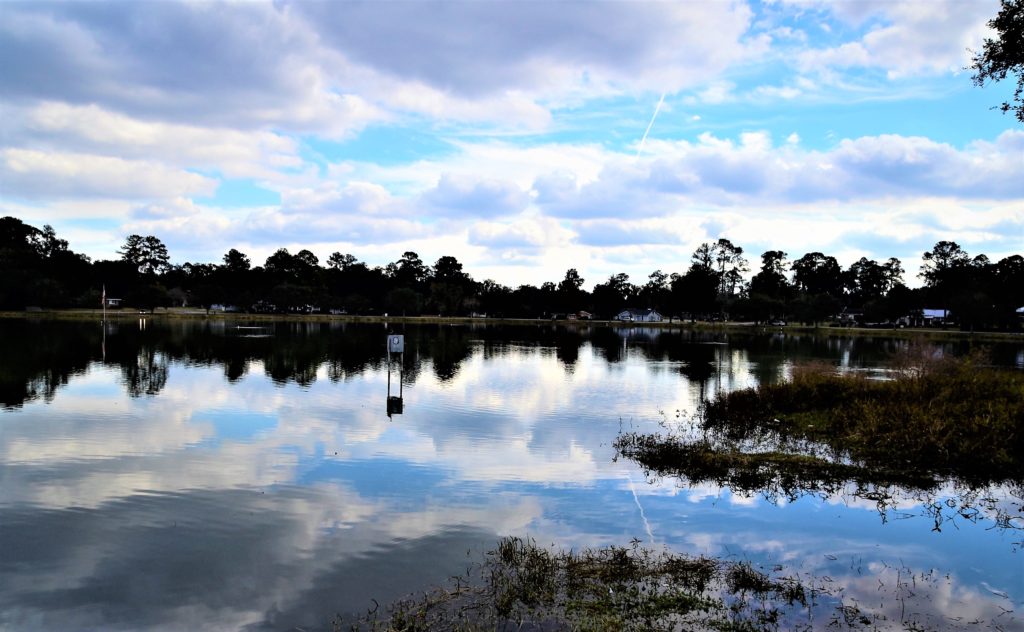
point(201, 475)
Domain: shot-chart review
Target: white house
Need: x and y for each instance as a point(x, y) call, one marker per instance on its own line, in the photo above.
point(934, 316)
point(634, 315)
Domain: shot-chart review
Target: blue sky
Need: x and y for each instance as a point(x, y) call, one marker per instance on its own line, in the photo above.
point(509, 134)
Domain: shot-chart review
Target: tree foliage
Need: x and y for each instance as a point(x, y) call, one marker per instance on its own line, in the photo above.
point(37, 268)
point(148, 254)
point(1004, 55)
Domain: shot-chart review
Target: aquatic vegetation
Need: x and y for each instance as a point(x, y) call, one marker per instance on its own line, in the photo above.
point(520, 585)
point(523, 586)
point(943, 433)
point(953, 417)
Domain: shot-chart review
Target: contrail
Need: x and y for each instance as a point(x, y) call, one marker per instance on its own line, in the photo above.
point(647, 131)
point(647, 525)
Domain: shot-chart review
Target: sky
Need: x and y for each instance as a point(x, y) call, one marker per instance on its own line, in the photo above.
point(524, 138)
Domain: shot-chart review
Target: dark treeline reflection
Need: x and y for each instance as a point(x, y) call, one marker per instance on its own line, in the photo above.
point(40, 356)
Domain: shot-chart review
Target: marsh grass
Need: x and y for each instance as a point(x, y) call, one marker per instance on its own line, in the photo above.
point(944, 433)
point(522, 586)
point(938, 416)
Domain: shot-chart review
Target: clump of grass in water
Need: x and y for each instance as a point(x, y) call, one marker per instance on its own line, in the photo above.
point(939, 415)
point(940, 420)
point(521, 586)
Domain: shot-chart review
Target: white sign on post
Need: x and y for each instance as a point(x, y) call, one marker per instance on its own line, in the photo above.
point(396, 344)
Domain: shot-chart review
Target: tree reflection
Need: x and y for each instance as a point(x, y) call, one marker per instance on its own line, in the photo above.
point(147, 375)
point(38, 359)
point(39, 355)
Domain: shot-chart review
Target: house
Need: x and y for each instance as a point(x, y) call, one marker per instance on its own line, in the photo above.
point(934, 316)
point(584, 315)
point(113, 302)
point(850, 317)
point(634, 315)
point(220, 307)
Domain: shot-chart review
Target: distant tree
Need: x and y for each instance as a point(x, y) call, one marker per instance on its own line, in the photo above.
point(1004, 55)
point(404, 301)
point(656, 292)
point(528, 301)
point(16, 235)
point(815, 308)
point(899, 302)
point(449, 285)
point(893, 273)
point(730, 265)
point(338, 261)
point(148, 254)
point(409, 270)
point(770, 282)
point(307, 258)
point(448, 269)
point(943, 257)
point(696, 291)
point(613, 295)
point(498, 300)
point(1007, 288)
point(572, 281)
point(281, 261)
point(49, 245)
point(869, 280)
point(703, 257)
point(149, 296)
point(154, 256)
point(235, 261)
point(570, 291)
point(948, 275)
point(131, 251)
point(816, 273)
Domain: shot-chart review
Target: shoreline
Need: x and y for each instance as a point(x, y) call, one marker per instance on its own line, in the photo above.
point(734, 327)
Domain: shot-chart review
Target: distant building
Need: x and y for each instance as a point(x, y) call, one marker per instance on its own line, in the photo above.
point(634, 315)
point(934, 316)
point(850, 317)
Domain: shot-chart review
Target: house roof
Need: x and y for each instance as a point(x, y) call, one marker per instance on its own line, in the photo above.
point(633, 311)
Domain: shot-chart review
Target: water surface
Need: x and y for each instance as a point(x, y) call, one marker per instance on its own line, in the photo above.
point(196, 475)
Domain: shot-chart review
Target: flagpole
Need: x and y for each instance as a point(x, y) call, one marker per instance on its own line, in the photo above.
point(103, 300)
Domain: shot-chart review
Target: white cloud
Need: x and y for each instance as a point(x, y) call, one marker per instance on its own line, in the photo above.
point(906, 38)
point(535, 232)
point(254, 154)
point(31, 173)
point(336, 68)
point(459, 195)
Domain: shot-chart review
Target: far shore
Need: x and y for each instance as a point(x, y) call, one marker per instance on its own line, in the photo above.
point(727, 326)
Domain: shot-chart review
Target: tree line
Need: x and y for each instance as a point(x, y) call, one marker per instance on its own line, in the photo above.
point(37, 268)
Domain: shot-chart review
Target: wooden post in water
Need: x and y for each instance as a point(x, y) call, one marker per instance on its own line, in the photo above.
point(396, 344)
